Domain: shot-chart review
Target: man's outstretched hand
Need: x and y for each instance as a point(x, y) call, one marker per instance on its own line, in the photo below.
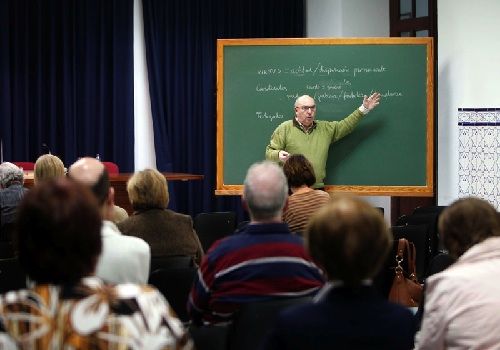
point(371, 102)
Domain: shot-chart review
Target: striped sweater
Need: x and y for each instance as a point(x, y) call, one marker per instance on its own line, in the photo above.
point(301, 206)
point(262, 262)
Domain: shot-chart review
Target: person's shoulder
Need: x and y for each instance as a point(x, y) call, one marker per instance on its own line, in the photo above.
point(178, 216)
point(322, 194)
point(136, 243)
point(119, 214)
point(286, 124)
point(324, 122)
point(131, 243)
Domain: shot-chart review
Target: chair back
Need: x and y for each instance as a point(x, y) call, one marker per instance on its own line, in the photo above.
point(242, 225)
point(209, 337)
point(175, 285)
point(211, 227)
point(27, 166)
point(254, 320)
point(438, 263)
point(111, 167)
point(170, 262)
point(7, 233)
point(428, 215)
point(12, 276)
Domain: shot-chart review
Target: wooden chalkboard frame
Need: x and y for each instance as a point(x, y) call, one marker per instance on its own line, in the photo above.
point(416, 191)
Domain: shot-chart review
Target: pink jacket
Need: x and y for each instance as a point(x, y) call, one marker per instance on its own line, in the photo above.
point(462, 305)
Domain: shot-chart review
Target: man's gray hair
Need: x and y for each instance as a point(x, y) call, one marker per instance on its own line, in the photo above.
point(265, 190)
point(299, 99)
point(10, 173)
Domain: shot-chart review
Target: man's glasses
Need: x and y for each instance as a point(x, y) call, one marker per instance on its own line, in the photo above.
point(306, 108)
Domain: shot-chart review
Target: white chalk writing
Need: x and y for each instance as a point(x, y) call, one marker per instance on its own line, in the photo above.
point(269, 115)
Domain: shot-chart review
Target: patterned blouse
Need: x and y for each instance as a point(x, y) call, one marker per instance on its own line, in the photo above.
point(89, 315)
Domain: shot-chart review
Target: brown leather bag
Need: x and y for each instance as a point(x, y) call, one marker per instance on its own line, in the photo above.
point(406, 291)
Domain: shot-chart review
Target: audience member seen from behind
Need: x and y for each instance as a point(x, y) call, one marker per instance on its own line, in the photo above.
point(11, 193)
point(48, 166)
point(462, 302)
point(261, 262)
point(68, 307)
point(123, 258)
point(350, 239)
point(166, 232)
point(304, 200)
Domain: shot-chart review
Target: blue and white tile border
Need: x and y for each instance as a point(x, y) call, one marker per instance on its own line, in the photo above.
point(479, 153)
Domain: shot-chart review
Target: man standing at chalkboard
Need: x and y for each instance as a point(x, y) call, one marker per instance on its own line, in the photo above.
point(311, 137)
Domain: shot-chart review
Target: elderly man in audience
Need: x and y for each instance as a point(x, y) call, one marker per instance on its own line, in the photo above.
point(166, 232)
point(11, 193)
point(350, 240)
point(462, 303)
point(261, 262)
point(67, 307)
point(123, 258)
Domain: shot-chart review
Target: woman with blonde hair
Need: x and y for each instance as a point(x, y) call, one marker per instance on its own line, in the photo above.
point(166, 232)
point(48, 166)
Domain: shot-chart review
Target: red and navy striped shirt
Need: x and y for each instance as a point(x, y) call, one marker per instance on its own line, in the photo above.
point(262, 262)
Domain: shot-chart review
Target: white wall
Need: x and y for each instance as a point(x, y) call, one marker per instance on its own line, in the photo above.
point(347, 18)
point(351, 18)
point(468, 76)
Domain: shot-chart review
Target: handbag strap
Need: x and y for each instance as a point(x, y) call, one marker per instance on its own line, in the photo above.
point(411, 254)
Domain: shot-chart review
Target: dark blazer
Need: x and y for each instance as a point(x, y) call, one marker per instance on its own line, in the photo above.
point(344, 319)
point(166, 232)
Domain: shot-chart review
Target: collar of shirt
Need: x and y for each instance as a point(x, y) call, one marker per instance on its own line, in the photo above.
point(278, 227)
point(303, 128)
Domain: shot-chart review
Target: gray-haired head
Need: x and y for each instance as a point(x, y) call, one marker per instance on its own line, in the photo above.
point(10, 174)
point(265, 191)
point(304, 99)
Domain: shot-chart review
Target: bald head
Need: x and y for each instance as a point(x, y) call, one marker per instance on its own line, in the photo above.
point(304, 100)
point(265, 191)
point(93, 174)
point(86, 171)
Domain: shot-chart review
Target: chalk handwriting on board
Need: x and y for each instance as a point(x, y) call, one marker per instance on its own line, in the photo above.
point(322, 70)
point(335, 83)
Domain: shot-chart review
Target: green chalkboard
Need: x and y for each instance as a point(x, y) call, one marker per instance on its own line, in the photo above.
point(390, 151)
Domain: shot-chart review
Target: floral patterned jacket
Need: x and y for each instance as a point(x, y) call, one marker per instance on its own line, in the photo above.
point(89, 315)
